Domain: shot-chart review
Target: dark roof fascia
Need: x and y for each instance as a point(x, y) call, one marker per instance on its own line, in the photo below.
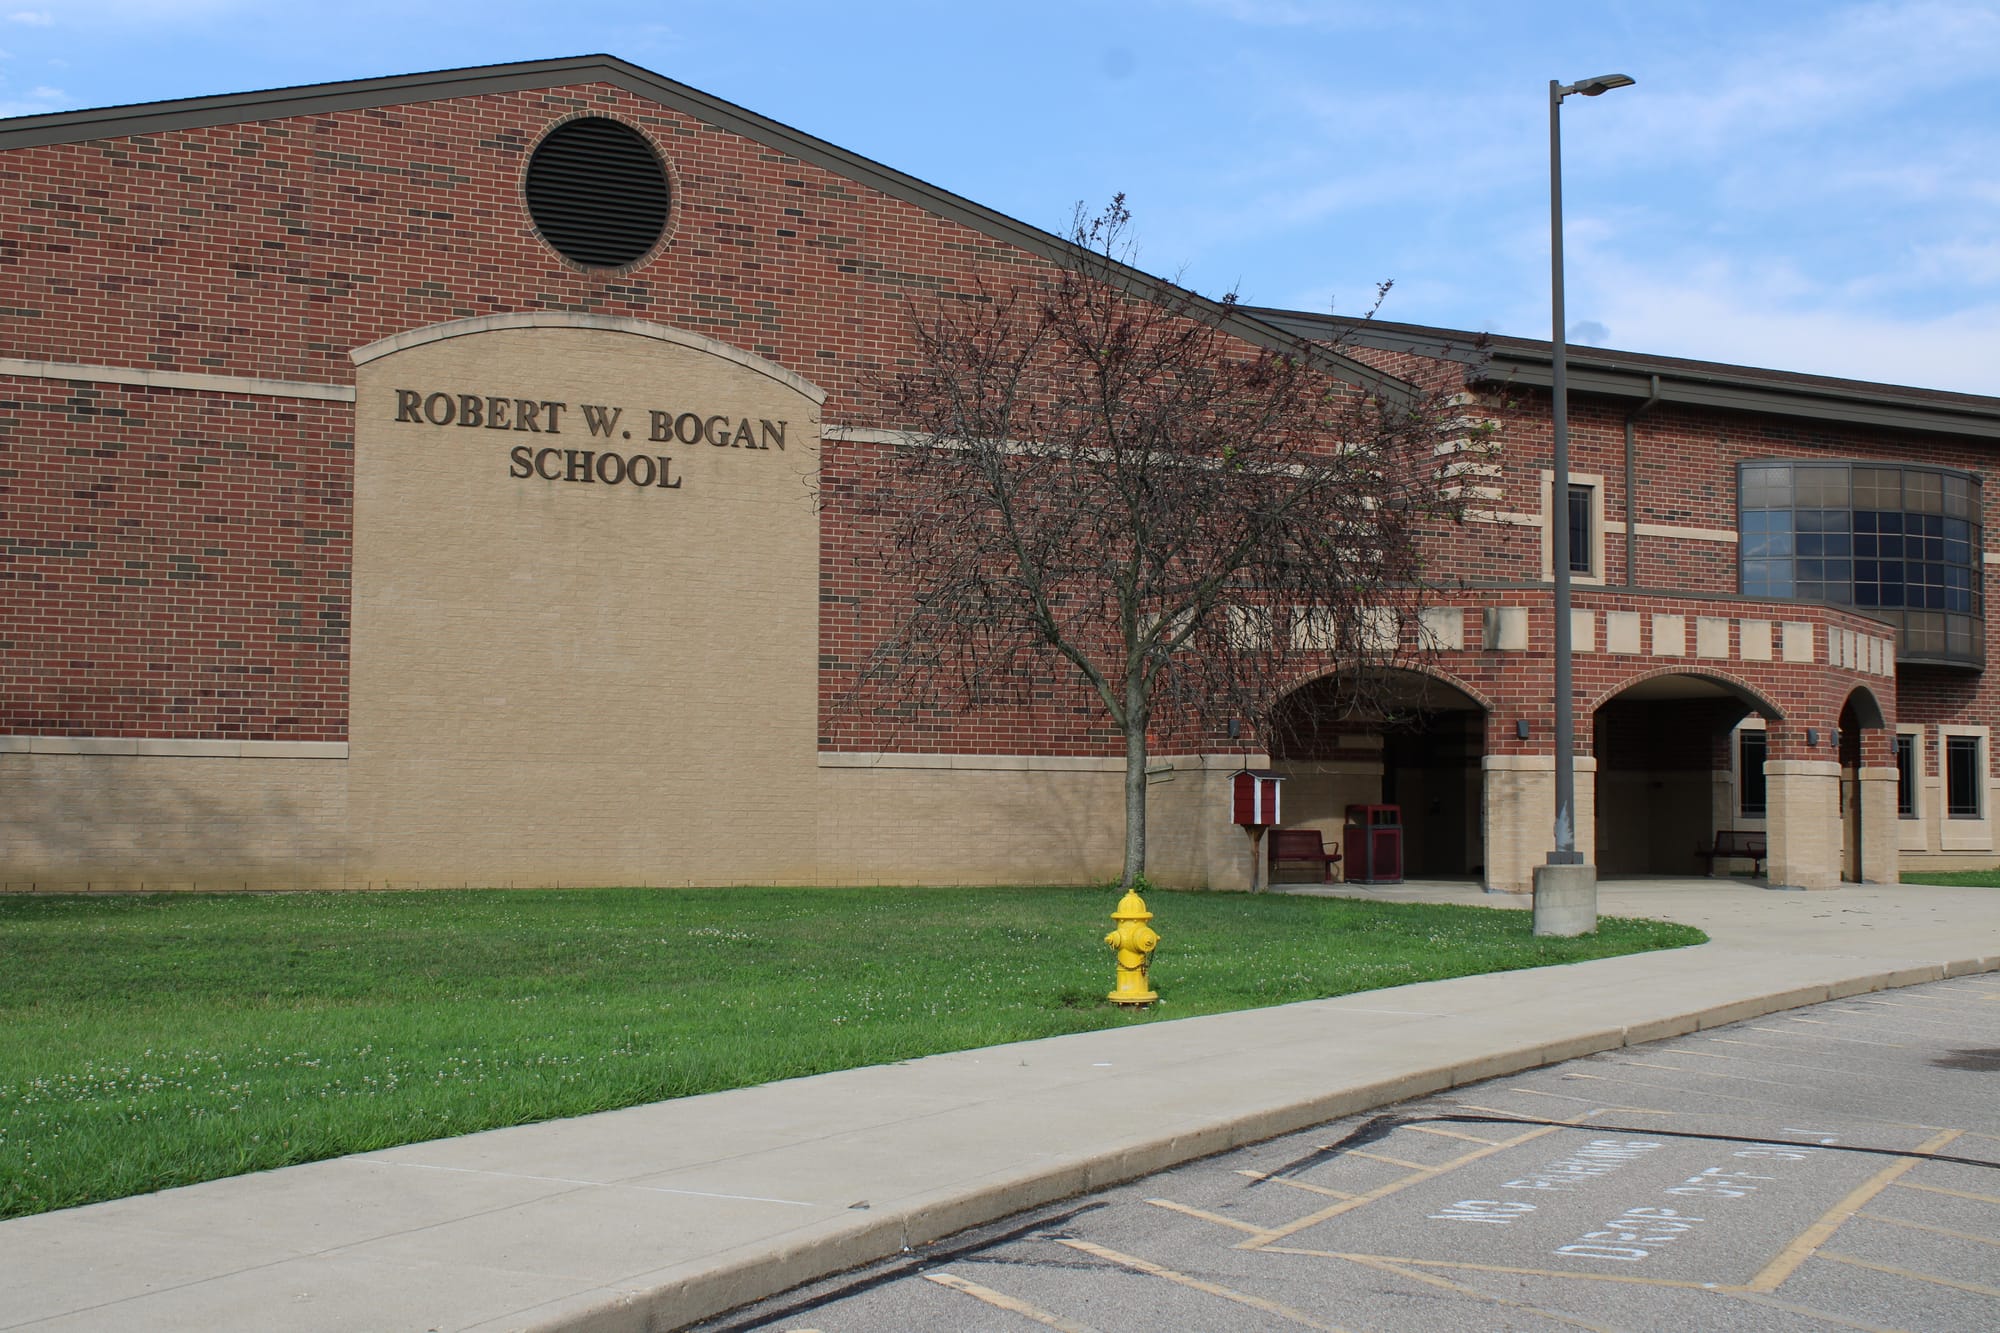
point(367, 94)
point(1630, 375)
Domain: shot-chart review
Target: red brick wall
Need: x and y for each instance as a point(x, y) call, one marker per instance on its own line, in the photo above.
point(270, 250)
point(175, 564)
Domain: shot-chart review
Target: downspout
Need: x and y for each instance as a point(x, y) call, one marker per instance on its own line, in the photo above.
point(1632, 487)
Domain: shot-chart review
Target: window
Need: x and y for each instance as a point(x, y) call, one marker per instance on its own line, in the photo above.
point(1578, 507)
point(1903, 543)
point(1962, 774)
point(1580, 498)
point(1906, 777)
point(1750, 751)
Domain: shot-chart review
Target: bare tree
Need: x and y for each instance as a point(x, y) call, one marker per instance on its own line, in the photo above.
point(1104, 481)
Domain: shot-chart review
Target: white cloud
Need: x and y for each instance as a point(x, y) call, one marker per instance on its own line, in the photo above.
point(1837, 68)
point(1715, 313)
point(33, 18)
point(38, 101)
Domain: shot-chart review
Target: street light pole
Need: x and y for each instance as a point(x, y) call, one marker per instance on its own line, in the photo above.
point(1566, 887)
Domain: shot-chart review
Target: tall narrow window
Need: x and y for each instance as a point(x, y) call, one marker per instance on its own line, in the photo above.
point(1579, 529)
point(1962, 772)
point(1750, 771)
point(1906, 777)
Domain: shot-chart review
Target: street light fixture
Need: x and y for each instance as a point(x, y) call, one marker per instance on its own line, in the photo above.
point(1566, 887)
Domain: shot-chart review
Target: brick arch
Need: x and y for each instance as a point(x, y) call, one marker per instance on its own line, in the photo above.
point(1759, 703)
point(1470, 691)
point(1867, 708)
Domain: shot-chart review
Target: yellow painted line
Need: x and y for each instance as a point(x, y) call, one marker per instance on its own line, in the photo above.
point(1597, 1107)
point(1432, 1279)
point(1935, 1230)
point(1774, 1274)
point(1648, 1064)
point(1308, 1186)
point(1931, 1278)
point(1626, 1278)
point(1774, 1303)
point(1449, 1134)
point(1384, 1191)
point(1939, 1189)
point(1241, 1298)
point(1000, 1300)
point(1216, 1218)
point(1394, 1161)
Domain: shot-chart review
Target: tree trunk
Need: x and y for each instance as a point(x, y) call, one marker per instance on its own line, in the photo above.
point(1137, 715)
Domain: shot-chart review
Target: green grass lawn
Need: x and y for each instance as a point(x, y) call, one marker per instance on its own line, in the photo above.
point(156, 1041)
point(1978, 879)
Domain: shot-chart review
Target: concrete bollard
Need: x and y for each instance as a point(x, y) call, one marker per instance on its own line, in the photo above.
point(1565, 900)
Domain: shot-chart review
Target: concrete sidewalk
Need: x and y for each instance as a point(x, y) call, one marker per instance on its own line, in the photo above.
point(653, 1217)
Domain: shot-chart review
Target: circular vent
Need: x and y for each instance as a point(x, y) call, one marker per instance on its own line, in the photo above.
point(597, 193)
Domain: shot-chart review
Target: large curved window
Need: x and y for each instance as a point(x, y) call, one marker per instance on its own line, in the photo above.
point(1903, 543)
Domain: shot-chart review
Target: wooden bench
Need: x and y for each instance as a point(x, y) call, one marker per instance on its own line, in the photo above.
point(1302, 844)
point(1733, 844)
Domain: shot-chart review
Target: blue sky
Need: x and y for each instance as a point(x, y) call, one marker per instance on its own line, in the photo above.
point(1809, 186)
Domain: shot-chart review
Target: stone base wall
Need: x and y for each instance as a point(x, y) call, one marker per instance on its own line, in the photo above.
point(102, 822)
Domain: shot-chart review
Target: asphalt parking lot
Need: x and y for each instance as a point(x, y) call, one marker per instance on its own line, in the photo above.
point(1832, 1167)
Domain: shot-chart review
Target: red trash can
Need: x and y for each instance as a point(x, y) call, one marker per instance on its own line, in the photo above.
point(1373, 838)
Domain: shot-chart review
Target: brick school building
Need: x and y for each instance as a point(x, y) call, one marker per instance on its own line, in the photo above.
point(450, 479)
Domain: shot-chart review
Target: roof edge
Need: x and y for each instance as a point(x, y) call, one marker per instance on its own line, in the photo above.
point(363, 94)
point(1505, 359)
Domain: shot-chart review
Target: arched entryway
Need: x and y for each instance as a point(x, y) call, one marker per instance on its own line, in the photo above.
point(1668, 749)
point(1860, 715)
point(1400, 737)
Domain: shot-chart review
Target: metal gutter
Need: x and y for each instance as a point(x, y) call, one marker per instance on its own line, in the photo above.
point(1492, 359)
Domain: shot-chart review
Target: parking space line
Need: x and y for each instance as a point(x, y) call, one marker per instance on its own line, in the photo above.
point(1640, 1083)
point(1802, 1246)
point(1393, 1161)
point(1828, 1036)
point(1940, 1189)
point(1935, 1230)
point(1908, 1001)
point(1383, 1191)
point(1449, 1134)
point(1216, 1218)
point(1434, 1280)
point(1598, 1108)
point(1755, 1298)
point(1848, 1074)
point(1306, 1185)
point(1000, 1300)
point(1893, 1271)
point(1627, 1279)
point(1242, 1298)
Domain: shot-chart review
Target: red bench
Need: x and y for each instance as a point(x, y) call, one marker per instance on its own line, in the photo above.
point(1732, 844)
point(1302, 844)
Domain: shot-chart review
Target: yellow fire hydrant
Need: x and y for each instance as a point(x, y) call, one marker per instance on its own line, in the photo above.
point(1135, 941)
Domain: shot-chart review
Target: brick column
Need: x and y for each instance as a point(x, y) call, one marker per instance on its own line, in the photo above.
point(1518, 813)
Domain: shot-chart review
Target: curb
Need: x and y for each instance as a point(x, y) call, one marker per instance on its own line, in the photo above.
point(847, 1244)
